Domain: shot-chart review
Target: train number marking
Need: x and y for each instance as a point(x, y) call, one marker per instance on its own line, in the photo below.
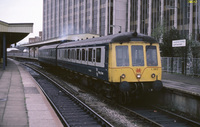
point(154, 69)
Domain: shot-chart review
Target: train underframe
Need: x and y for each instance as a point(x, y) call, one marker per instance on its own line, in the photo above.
point(123, 92)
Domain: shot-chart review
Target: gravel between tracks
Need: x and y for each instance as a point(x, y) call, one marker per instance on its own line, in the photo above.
point(110, 113)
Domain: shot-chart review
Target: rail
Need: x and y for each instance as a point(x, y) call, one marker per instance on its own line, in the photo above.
point(69, 105)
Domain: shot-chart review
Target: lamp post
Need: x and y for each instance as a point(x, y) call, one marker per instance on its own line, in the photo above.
point(120, 27)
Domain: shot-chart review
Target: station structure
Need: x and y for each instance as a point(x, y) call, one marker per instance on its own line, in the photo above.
point(11, 33)
point(33, 47)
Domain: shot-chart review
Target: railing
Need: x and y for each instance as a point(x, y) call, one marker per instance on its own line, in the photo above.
point(23, 55)
point(189, 66)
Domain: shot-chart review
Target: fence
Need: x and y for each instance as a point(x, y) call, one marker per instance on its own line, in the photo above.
point(23, 54)
point(189, 66)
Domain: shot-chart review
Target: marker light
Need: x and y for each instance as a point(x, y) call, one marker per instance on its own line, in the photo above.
point(153, 75)
point(123, 76)
point(138, 76)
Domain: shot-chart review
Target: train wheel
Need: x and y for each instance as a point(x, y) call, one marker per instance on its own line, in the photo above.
point(124, 98)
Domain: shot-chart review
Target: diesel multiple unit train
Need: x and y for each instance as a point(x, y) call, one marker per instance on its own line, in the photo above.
point(122, 66)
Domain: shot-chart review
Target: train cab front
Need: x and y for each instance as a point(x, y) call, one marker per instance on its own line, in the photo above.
point(135, 66)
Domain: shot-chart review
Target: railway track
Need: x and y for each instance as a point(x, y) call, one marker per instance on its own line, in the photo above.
point(150, 116)
point(71, 110)
point(160, 117)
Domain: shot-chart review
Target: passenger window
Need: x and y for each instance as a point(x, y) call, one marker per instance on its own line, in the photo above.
point(90, 55)
point(65, 53)
point(98, 55)
point(77, 54)
point(86, 52)
point(68, 54)
point(83, 54)
point(50, 52)
point(73, 54)
point(80, 55)
point(94, 59)
point(122, 57)
point(59, 53)
point(137, 55)
point(54, 53)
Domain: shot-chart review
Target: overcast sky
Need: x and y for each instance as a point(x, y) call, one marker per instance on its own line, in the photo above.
point(23, 11)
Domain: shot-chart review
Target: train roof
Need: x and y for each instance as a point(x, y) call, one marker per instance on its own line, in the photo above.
point(51, 46)
point(116, 38)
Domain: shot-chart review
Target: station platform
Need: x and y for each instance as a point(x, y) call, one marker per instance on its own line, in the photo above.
point(186, 84)
point(22, 103)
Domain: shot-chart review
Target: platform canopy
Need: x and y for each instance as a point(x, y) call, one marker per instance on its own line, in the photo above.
point(12, 33)
point(72, 37)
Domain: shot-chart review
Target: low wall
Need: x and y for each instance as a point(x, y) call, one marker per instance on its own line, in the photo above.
point(181, 102)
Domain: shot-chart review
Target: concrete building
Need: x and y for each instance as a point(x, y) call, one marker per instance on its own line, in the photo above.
point(183, 15)
point(103, 17)
point(65, 17)
point(36, 38)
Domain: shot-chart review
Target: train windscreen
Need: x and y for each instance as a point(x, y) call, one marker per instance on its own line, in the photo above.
point(122, 56)
point(137, 55)
point(151, 54)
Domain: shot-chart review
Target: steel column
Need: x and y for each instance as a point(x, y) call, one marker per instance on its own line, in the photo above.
point(4, 51)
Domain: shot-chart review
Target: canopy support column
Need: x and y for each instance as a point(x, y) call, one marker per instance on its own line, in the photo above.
point(4, 51)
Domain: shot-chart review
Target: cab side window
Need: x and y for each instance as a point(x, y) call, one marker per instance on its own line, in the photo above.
point(151, 54)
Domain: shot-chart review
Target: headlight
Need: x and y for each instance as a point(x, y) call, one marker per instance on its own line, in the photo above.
point(123, 76)
point(138, 76)
point(153, 75)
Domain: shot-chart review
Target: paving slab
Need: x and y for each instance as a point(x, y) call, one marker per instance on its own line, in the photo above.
point(22, 103)
point(184, 83)
point(10, 113)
